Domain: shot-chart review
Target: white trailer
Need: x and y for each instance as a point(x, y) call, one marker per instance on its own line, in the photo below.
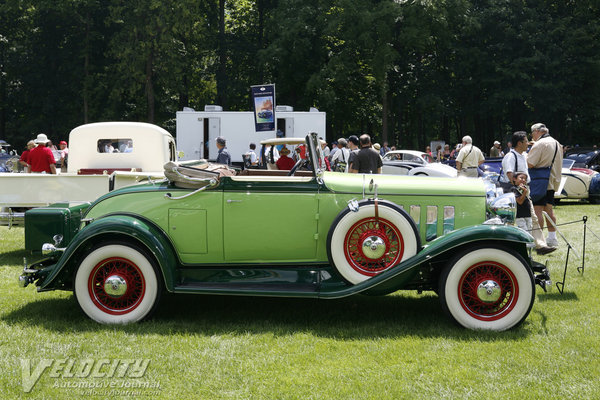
point(197, 130)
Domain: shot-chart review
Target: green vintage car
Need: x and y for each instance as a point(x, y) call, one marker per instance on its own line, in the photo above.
point(299, 233)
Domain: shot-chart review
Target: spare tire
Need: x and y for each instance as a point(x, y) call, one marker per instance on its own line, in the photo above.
point(366, 242)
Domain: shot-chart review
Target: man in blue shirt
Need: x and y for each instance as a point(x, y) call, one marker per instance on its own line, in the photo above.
point(223, 157)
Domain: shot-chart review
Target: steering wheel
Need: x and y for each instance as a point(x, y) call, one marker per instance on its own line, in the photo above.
point(299, 164)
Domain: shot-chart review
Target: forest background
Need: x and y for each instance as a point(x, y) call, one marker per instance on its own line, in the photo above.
point(403, 71)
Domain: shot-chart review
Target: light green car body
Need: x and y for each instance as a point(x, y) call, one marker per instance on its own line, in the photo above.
point(286, 220)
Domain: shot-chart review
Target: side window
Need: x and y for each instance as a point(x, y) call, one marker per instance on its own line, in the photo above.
point(115, 145)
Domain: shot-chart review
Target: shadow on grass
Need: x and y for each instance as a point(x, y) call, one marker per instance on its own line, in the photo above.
point(15, 257)
point(352, 318)
point(555, 295)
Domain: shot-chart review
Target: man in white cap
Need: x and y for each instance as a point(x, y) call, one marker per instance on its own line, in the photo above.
point(496, 150)
point(223, 157)
point(546, 152)
point(41, 158)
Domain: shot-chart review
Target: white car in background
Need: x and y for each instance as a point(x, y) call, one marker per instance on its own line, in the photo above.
point(578, 183)
point(412, 162)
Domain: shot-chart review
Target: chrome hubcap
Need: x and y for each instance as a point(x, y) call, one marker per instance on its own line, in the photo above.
point(373, 247)
point(115, 286)
point(489, 291)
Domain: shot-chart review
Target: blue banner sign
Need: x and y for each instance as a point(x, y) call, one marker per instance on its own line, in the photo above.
point(263, 102)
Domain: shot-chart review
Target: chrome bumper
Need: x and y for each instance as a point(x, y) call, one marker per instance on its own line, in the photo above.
point(28, 276)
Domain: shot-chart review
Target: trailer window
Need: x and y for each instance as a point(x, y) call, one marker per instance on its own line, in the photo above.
point(115, 146)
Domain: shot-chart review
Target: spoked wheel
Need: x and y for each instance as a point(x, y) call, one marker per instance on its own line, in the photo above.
point(117, 284)
point(367, 242)
point(487, 288)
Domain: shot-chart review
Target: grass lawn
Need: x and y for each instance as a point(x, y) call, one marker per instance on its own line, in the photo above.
point(395, 347)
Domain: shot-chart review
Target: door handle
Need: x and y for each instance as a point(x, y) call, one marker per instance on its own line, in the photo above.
point(233, 201)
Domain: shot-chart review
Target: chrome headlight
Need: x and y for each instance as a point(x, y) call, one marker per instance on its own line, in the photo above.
point(503, 206)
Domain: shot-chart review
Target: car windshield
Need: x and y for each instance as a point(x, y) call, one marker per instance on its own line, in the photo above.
point(427, 157)
point(316, 151)
point(568, 163)
point(580, 157)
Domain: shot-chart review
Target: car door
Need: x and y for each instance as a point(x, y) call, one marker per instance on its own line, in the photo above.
point(270, 225)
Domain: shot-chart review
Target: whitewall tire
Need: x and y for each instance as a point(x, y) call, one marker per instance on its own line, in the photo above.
point(365, 243)
point(489, 288)
point(117, 284)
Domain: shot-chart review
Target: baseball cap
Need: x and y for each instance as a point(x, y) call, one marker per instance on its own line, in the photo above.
point(221, 140)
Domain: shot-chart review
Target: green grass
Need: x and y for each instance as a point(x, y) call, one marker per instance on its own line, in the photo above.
point(394, 347)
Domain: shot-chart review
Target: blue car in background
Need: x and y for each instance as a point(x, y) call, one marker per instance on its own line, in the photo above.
point(9, 159)
point(584, 158)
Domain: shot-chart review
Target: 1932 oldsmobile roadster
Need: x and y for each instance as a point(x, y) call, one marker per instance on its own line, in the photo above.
point(343, 234)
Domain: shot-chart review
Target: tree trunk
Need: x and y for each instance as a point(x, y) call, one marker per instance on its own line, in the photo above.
point(86, 70)
point(384, 114)
point(221, 79)
point(150, 87)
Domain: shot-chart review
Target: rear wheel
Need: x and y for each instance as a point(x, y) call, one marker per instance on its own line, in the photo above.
point(117, 284)
point(487, 288)
point(371, 240)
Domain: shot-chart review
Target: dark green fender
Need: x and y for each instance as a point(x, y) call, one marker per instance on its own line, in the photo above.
point(111, 227)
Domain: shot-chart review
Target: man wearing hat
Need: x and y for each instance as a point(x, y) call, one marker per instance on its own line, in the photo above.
point(284, 162)
point(41, 158)
point(64, 153)
point(223, 157)
point(496, 150)
point(546, 152)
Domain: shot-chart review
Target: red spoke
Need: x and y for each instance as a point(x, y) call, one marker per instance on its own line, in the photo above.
point(488, 271)
point(127, 271)
point(381, 229)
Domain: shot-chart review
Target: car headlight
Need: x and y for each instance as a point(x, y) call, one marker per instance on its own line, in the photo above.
point(503, 207)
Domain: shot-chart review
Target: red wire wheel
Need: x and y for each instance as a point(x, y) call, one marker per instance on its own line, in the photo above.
point(373, 245)
point(488, 290)
point(487, 287)
point(116, 285)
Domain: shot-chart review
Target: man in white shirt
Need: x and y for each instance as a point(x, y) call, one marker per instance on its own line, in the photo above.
point(515, 160)
point(341, 157)
point(252, 157)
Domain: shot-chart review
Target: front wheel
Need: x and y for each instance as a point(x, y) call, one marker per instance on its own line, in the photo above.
point(488, 288)
point(117, 284)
